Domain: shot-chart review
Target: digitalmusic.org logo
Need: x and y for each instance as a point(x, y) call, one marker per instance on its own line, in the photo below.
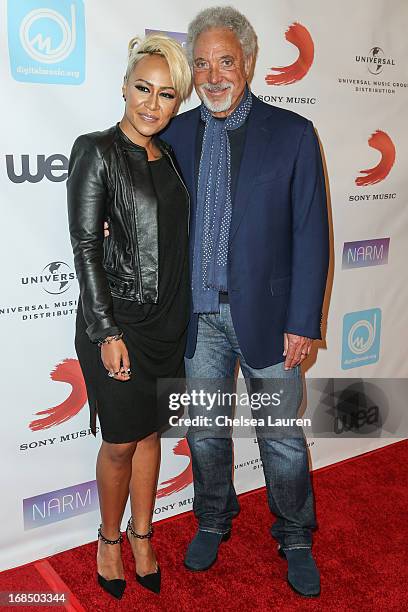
point(361, 338)
point(68, 371)
point(299, 36)
point(47, 41)
point(380, 141)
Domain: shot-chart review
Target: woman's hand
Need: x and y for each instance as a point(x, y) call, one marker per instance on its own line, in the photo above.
point(115, 358)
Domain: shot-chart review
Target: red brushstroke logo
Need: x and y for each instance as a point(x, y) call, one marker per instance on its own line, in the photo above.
point(68, 371)
point(299, 36)
point(183, 479)
point(382, 143)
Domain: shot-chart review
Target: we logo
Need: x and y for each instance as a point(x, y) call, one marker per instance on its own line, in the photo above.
point(54, 168)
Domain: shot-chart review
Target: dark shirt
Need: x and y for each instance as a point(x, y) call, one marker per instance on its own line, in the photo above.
point(165, 321)
point(237, 143)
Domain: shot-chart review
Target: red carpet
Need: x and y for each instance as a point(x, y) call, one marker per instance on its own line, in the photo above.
point(360, 546)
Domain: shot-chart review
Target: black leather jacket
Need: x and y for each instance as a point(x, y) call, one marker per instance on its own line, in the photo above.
point(109, 180)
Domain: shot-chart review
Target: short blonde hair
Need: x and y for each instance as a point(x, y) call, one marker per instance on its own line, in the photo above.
point(172, 51)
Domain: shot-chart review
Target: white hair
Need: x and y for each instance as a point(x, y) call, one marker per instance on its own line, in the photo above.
point(223, 17)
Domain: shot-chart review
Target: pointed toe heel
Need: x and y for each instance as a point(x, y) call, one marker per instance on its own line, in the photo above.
point(152, 582)
point(116, 586)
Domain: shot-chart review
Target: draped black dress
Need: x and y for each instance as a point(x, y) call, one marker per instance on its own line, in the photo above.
point(154, 334)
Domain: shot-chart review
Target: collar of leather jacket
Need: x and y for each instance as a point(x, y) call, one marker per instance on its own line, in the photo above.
point(129, 144)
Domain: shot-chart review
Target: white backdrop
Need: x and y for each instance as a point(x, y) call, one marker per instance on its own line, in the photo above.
point(343, 65)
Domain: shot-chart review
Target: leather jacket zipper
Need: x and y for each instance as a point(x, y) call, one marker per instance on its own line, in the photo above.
point(184, 185)
point(136, 259)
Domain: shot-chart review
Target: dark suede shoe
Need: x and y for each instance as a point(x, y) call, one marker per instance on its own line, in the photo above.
point(203, 549)
point(303, 575)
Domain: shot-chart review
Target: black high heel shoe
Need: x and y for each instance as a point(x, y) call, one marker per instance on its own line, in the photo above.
point(151, 581)
point(116, 586)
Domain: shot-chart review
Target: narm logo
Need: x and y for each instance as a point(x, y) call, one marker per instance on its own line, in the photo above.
point(55, 506)
point(380, 141)
point(300, 37)
point(365, 253)
point(54, 168)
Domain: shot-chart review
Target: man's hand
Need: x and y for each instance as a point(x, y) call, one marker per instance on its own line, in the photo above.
point(115, 358)
point(296, 349)
point(106, 229)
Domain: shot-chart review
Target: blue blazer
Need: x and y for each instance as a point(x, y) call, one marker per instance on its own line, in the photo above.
point(278, 244)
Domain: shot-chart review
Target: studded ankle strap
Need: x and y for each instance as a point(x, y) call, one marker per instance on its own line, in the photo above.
point(102, 537)
point(138, 535)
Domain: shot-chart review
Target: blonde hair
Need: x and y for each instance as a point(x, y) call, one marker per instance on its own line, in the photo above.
point(172, 51)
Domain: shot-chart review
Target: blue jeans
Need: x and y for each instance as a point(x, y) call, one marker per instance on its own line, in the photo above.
point(284, 460)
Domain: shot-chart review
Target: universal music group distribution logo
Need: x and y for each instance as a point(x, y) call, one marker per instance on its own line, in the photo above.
point(376, 73)
point(55, 279)
point(47, 41)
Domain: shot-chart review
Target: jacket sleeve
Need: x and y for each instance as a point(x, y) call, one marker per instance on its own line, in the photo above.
point(310, 243)
point(87, 195)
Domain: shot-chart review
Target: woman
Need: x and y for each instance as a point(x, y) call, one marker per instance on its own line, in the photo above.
point(134, 306)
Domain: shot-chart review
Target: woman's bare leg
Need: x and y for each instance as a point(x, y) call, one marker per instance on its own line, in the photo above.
point(143, 487)
point(113, 473)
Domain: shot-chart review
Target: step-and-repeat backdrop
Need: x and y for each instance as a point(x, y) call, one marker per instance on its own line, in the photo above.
point(341, 64)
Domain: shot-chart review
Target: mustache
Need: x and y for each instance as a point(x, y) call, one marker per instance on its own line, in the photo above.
point(216, 87)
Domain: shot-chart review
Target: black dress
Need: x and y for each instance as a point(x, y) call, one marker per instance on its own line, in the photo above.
point(154, 334)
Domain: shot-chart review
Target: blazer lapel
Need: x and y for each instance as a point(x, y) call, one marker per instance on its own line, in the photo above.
point(256, 141)
point(189, 154)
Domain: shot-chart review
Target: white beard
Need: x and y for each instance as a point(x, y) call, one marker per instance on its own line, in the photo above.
point(216, 107)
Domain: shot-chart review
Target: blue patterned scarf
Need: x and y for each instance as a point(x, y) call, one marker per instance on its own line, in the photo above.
point(214, 207)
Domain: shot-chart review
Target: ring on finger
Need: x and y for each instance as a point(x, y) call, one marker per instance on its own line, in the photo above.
point(112, 374)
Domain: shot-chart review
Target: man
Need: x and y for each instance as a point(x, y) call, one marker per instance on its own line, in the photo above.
point(259, 253)
point(259, 259)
